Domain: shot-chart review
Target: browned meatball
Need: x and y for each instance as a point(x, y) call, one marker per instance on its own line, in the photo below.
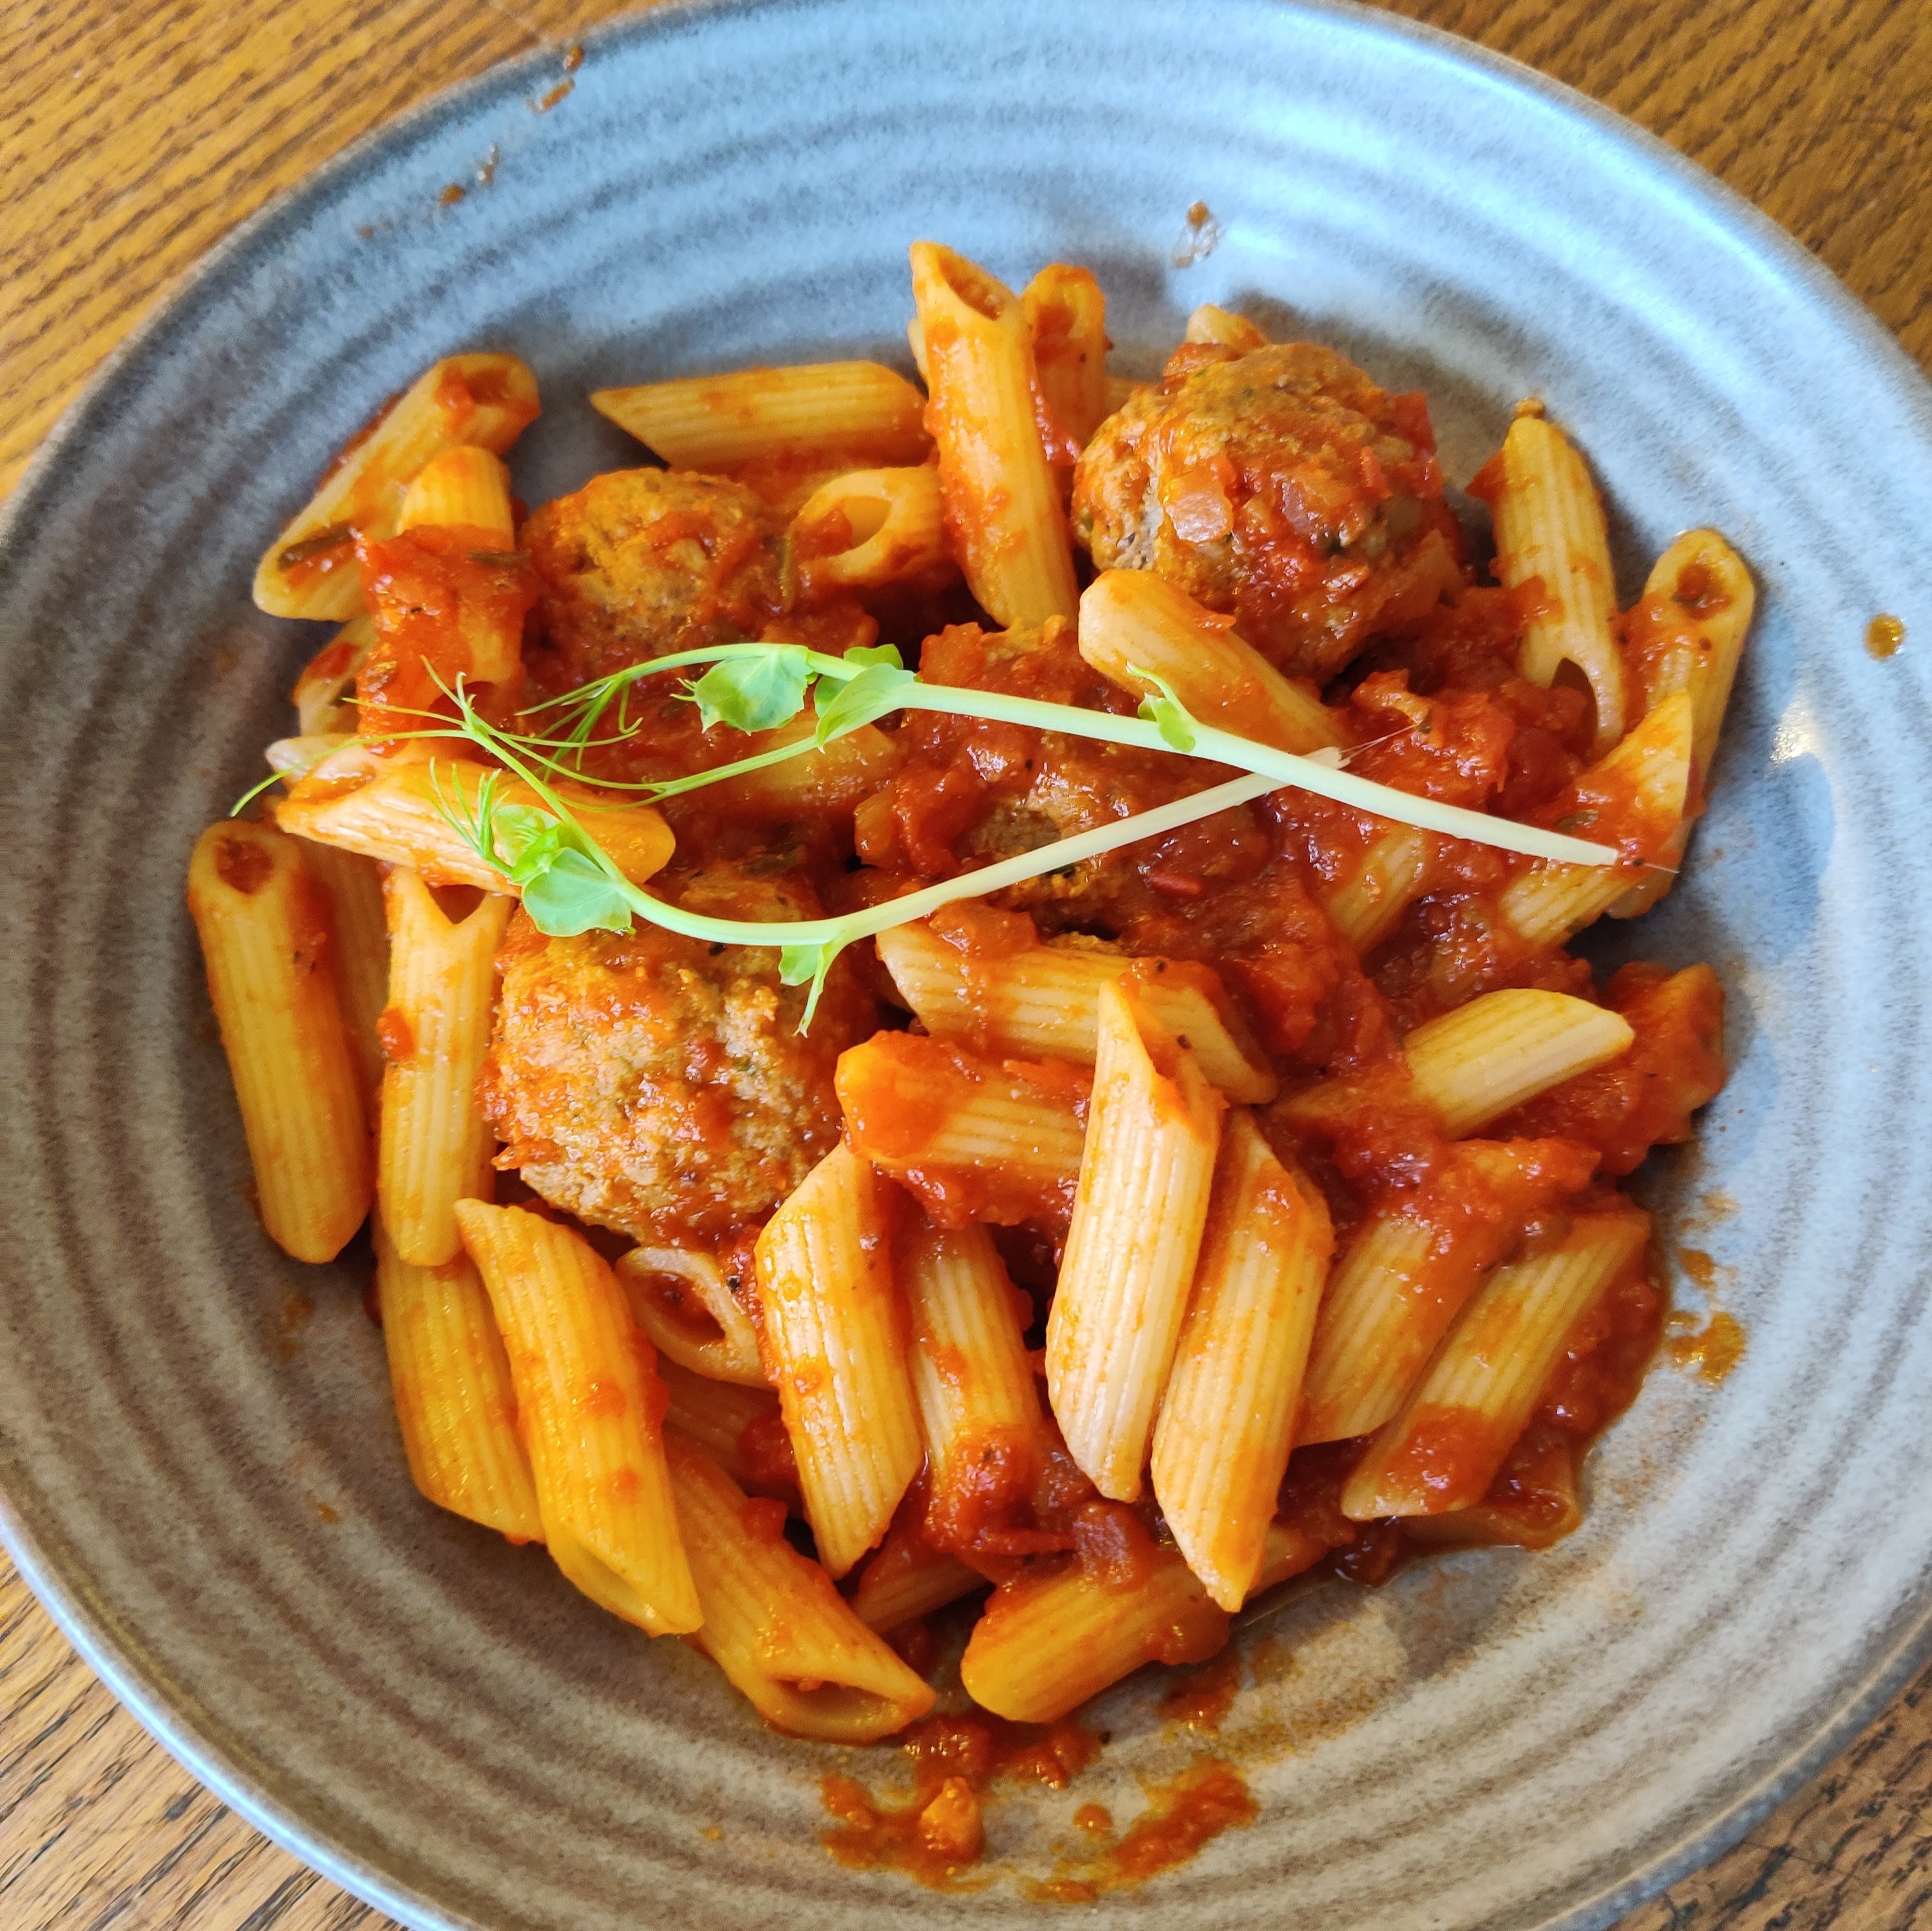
point(641, 563)
point(1281, 486)
point(660, 1086)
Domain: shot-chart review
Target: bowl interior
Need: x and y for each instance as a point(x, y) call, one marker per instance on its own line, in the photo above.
point(196, 1449)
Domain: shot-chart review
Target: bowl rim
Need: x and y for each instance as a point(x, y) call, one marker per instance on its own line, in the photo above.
point(64, 1597)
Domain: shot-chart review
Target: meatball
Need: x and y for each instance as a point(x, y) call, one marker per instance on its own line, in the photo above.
point(641, 562)
point(1281, 486)
point(660, 1086)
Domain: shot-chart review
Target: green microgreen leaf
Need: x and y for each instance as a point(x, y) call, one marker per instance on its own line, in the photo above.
point(572, 893)
point(1166, 712)
point(876, 689)
point(812, 961)
point(756, 693)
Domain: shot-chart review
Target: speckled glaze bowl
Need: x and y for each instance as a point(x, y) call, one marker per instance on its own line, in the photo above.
point(201, 1473)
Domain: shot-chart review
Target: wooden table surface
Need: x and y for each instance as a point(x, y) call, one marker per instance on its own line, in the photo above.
point(133, 137)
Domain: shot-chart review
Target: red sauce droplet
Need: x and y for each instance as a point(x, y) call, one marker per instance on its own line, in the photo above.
point(1884, 636)
point(395, 1035)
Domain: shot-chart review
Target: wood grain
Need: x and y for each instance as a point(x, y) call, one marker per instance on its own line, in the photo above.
point(133, 138)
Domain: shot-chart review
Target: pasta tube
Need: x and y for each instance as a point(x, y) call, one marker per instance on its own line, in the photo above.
point(975, 1138)
point(1393, 874)
point(1443, 1450)
point(1686, 635)
point(787, 1640)
point(461, 489)
point(1135, 627)
point(1043, 1002)
point(1221, 1444)
point(393, 810)
point(739, 1427)
point(907, 1579)
point(265, 934)
point(1066, 319)
point(714, 422)
point(455, 1402)
point(353, 886)
point(834, 1339)
point(590, 1406)
point(1409, 1270)
point(310, 569)
point(978, 1404)
point(435, 1147)
point(323, 695)
point(871, 527)
point(1486, 1058)
point(1646, 780)
point(1138, 1214)
point(1046, 1644)
point(1003, 506)
point(1549, 526)
point(679, 1297)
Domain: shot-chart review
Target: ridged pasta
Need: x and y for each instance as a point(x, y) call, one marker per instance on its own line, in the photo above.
point(455, 1403)
point(1002, 504)
point(1145, 1178)
point(591, 1407)
point(833, 1335)
point(266, 942)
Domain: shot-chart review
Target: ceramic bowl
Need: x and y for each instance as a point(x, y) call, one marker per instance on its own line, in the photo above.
point(202, 1475)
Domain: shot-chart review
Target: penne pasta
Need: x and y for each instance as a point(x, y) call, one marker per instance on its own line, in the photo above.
point(714, 422)
point(679, 1297)
point(1644, 783)
point(434, 1147)
point(1045, 1644)
point(310, 569)
point(1066, 319)
point(1408, 1270)
point(787, 1640)
point(353, 886)
point(974, 1138)
point(1043, 1002)
point(1136, 627)
point(396, 810)
point(1550, 531)
point(465, 488)
point(1484, 1059)
point(590, 1405)
point(978, 1406)
point(1686, 636)
point(871, 527)
point(1393, 874)
point(454, 1401)
point(739, 1427)
point(1222, 1441)
point(1210, 324)
point(1002, 507)
point(1441, 1451)
point(266, 942)
point(1700, 594)
point(1473, 1064)
point(324, 694)
point(1141, 1205)
point(833, 1335)
point(907, 1579)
